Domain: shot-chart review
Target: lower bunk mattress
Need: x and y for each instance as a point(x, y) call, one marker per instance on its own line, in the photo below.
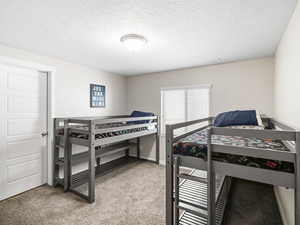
point(196, 145)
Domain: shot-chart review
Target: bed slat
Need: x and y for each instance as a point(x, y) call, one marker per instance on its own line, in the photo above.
point(123, 137)
point(120, 128)
point(252, 133)
point(267, 176)
point(255, 152)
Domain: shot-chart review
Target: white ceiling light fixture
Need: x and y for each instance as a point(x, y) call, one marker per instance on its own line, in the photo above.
point(133, 42)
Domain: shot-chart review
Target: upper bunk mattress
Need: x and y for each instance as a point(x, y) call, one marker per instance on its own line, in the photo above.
point(196, 145)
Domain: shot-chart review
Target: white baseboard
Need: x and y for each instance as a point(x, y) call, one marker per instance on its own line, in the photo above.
point(280, 206)
point(161, 162)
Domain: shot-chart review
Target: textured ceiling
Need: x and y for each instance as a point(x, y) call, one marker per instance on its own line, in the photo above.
point(181, 33)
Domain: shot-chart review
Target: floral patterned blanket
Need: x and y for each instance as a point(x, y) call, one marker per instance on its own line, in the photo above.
point(195, 145)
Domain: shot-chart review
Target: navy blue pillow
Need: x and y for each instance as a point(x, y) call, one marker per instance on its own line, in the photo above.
point(140, 114)
point(235, 118)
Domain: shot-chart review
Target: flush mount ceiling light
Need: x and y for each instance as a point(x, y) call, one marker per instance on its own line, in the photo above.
point(133, 42)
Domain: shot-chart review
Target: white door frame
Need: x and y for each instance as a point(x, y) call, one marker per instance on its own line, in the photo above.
point(50, 70)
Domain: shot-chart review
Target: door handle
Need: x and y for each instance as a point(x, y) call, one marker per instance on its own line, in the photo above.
point(44, 134)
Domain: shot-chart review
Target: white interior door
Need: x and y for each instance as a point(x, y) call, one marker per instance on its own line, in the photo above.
point(23, 119)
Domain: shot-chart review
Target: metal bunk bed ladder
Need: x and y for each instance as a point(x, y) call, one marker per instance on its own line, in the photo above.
point(197, 194)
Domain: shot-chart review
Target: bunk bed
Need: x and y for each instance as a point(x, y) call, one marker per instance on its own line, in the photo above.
point(102, 136)
point(269, 156)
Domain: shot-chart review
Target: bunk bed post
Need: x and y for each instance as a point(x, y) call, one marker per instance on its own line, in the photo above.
point(297, 180)
point(66, 154)
point(68, 149)
point(169, 176)
point(55, 154)
point(211, 188)
point(176, 186)
point(157, 136)
point(91, 166)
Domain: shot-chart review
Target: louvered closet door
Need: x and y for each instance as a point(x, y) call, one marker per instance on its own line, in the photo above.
point(23, 113)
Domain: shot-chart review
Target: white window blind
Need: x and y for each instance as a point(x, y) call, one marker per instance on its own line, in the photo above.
point(184, 104)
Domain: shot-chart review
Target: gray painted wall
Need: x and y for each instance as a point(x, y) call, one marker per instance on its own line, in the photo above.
point(237, 85)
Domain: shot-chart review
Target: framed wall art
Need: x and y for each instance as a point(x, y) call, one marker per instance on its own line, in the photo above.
point(97, 96)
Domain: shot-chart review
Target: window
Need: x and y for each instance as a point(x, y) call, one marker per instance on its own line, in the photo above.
point(184, 104)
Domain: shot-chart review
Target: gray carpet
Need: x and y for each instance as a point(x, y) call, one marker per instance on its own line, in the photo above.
point(129, 195)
